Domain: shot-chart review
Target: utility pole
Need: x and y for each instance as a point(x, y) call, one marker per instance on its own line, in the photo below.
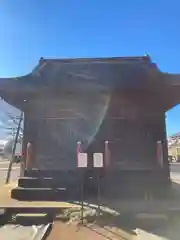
point(14, 148)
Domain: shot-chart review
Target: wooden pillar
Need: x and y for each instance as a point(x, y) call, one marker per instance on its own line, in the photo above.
point(24, 145)
point(160, 155)
point(29, 156)
point(78, 150)
point(30, 135)
point(107, 157)
point(161, 136)
point(165, 149)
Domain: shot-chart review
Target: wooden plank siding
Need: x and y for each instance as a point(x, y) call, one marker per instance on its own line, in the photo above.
point(56, 123)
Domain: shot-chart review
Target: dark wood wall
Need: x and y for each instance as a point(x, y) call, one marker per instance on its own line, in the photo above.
point(131, 122)
point(133, 125)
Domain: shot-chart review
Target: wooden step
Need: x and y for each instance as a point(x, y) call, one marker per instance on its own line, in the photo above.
point(32, 218)
point(39, 194)
point(50, 173)
point(45, 182)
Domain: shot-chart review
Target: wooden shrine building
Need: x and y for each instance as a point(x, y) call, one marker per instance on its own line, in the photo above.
point(119, 100)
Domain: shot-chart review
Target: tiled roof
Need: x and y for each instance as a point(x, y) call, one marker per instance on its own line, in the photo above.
point(122, 71)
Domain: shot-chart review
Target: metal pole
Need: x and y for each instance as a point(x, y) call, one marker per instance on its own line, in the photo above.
point(78, 149)
point(14, 149)
point(98, 183)
point(13, 138)
point(82, 199)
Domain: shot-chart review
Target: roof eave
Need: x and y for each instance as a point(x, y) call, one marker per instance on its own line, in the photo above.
point(171, 90)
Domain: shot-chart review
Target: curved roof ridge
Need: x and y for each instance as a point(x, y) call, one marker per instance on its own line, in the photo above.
point(98, 59)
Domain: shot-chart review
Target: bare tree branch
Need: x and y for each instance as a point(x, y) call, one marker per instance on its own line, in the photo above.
point(11, 124)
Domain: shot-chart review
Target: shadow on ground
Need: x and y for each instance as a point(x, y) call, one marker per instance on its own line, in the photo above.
point(131, 225)
point(158, 218)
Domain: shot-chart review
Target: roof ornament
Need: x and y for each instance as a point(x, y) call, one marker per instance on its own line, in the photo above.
point(41, 60)
point(37, 70)
point(147, 55)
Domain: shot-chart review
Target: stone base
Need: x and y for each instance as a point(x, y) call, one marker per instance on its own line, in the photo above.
point(67, 185)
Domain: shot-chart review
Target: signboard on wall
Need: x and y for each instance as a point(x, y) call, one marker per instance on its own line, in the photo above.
point(82, 160)
point(98, 160)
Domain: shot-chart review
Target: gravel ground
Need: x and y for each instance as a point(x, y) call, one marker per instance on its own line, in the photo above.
point(17, 232)
point(116, 227)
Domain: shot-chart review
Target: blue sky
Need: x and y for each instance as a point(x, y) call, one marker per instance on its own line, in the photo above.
point(30, 29)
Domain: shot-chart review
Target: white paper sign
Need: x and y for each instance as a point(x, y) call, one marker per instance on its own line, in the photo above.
point(82, 160)
point(98, 160)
